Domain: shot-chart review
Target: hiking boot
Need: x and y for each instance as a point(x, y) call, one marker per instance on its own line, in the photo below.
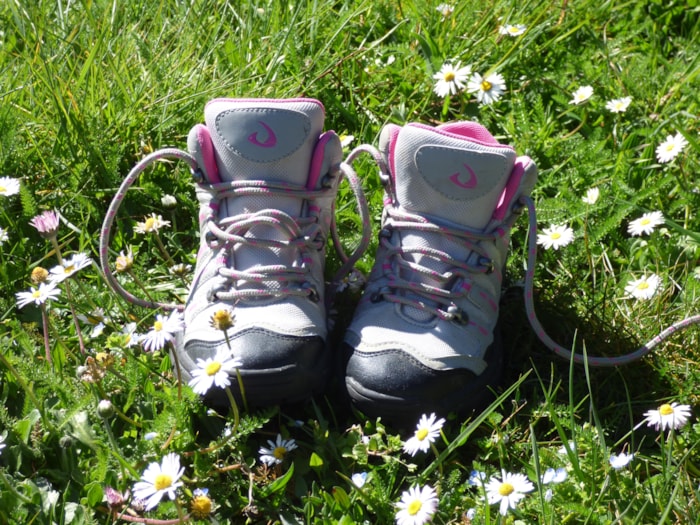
point(270, 178)
point(423, 338)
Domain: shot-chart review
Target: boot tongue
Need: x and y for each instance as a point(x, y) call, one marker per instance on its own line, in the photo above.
point(454, 173)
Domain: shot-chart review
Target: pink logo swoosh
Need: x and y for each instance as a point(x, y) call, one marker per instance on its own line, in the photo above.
point(467, 184)
point(269, 142)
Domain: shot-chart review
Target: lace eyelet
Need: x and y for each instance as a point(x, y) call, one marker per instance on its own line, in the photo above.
point(198, 176)
point(457, 315)
point(488, 265)
point(313, 293)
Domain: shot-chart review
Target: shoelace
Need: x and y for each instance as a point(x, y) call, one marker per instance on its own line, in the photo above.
point(450, 284)
point(302, 232)
point(560, 350)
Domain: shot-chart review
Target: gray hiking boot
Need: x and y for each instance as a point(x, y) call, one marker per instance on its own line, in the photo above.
point(423, 338)
point(270, 178)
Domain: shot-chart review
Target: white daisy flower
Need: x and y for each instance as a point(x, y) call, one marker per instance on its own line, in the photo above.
point(417, 506)
point(445, 10)
point(214, 371)
point(591, 196)
point(358, 479)
point(168, 201)
point(670, 148)
point(508, 490)
point(129, 335)
point(671, 416)
point(8, 186)
point(45, 292)
point(159, 480)
point(276, 451)
point(163, 331)
point(450, 79)
point(581, 95)
point(69, 267)
point(643, 288)
point(554, 476)
point(151, 224)
point(620, 461)
point(555, 236)
point(512, 29)
point(646, 223)
point(427, 431)
point(489, 89)
point(618, 105)
point(96, 319)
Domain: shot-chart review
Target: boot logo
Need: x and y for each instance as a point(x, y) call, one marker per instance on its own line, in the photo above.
point(467, 184)
point(269, 141)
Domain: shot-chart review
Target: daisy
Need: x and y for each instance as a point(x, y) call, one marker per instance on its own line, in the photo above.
point(68, 267)
point(125, 261)
point(168, 201)
point(620, 461)
point(222, 319)
point(8, 186)
point(159, 480)
point(618, 105)
point(201, 504)
point(451, 79)
point(673, 416)
point(555, 237)
point(643, 288)
point(46, 223)
point(670, 148)
point(445, 10)
point(114, 498)
point(358, 479)
point(488, 89)
point(512, 29)
point(45, 292)
point(581, 94)
point(213, 371)
point(427, 431)
point(591, 196)
point(554, 476)
point(96, 319)
point(346, 140)
point(129, 335)
point(163, 331)
point(151, 224)
point(417, 506)
point(4, 237)
point(276, 451)
point(181, 269)
point(508, 490)
point(646, 223)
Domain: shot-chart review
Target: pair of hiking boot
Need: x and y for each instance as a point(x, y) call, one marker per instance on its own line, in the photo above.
point(423, 337)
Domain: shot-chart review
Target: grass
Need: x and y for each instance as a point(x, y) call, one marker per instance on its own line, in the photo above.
point(88, 88)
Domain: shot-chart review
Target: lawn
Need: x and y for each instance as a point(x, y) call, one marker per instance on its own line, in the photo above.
point(602, 96)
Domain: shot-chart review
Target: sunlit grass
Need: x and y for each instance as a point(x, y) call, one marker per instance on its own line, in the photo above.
point(89, 88)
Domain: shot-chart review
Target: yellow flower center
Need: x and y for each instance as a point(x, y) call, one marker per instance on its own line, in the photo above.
point(36, 294)
point(3, 189)
point(555, 236)
point(157, 326)
point(644, 221)
point(201, 507)
point(414, 507)
point(162, 481)
point(665, 409)
point(514, 29)
point(506, 489)
point(486, 85)
point(150, 224)
point(643, 285)
point(222, 320)
point(670, 147)
point(69, 269)
point(279, 452)
point(449, 76)
point(212, 368)
point(421, 434)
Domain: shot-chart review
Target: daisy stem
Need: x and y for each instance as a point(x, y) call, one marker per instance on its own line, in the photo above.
point(75, 318)
point(113, 442)
point(140, 285)
point(45, 323)
point(163, 251)
point(437, 456)
point(234, 408)
point(176, 362)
